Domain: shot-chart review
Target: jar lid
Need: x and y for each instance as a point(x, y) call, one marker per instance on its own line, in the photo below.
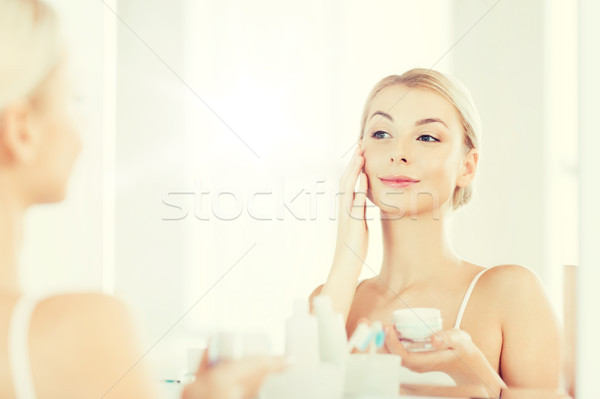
point(417, 317)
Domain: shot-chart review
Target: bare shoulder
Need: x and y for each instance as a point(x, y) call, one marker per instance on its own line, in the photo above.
point(85, 322)
point(529, 325)
point(89, 337)
point(514, 286)
point(509, 277)
point(81, 311)
point(76, 301)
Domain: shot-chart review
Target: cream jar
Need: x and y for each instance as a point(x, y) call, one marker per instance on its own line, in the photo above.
point(415, 326)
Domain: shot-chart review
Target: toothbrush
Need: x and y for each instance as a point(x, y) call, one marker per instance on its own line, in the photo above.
point(378, 334)
point(361, 337)
point(365, 337)
point(377, 338)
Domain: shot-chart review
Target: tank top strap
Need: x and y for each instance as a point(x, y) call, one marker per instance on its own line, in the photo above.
point(18, 347)
point(465, 300)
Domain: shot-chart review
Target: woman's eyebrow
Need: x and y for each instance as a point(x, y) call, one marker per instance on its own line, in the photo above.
point(430, 120)
point(382, 114)
point(417, 123)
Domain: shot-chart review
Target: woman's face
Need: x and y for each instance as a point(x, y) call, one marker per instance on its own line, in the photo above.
point(59, 142)
point(414, 151)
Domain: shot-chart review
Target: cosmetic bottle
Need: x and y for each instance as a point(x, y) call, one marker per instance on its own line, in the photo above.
point(361, 338)
point(333, 342)
point(302, 336)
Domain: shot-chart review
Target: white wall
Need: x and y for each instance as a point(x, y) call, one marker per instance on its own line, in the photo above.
point(519, 62)
point(588, 296)
point(500, 60)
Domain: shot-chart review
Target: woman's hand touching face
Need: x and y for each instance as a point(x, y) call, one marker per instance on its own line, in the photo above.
point(352, 227)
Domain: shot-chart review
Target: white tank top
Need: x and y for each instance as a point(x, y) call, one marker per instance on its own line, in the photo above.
point(465, 301)
point(18, 348)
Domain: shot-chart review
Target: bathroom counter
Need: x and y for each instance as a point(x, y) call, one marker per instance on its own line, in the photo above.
point(173, 391)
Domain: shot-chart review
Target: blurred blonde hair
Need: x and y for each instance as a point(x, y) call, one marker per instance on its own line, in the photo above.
point(455, 93)
point(30, 47)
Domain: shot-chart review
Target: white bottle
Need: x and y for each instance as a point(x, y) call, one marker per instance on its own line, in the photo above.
point(302, 336)
point(333, 342)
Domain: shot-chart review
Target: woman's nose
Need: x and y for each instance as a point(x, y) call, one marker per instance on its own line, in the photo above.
point(398, 158)
point(400, 151)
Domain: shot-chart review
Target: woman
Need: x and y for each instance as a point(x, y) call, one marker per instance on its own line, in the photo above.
point(76, 345)
point(416, 160)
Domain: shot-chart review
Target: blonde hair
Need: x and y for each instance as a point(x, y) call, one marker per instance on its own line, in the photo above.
point(30, 47)
point(455, 93)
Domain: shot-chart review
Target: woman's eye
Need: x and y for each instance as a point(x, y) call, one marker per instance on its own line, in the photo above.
point(426, 137)
point(380, 134)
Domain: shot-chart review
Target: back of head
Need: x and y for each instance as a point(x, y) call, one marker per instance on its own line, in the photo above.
point(30, 47)
point(38, 140)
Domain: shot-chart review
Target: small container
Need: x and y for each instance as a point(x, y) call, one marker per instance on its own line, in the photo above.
point(322, 381)
point(302, 336)
point(372, 374)
point(333, 341)
point(415, 326)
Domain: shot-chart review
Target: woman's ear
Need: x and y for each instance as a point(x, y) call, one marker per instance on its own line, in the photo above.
point(18, 141)
point(468, 169)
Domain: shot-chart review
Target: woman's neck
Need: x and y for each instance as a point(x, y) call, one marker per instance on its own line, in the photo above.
point(11, 226)
point(415, 249)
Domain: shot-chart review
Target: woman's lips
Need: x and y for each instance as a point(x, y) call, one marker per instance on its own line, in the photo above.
point(398, 181)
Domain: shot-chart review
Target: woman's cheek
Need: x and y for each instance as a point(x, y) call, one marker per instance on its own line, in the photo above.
point(443, 183)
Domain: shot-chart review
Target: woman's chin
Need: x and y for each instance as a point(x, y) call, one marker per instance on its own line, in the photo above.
point(393, 204)
point(399, 210)
point(397, 204)
point(403, 210)
point(53, 196)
